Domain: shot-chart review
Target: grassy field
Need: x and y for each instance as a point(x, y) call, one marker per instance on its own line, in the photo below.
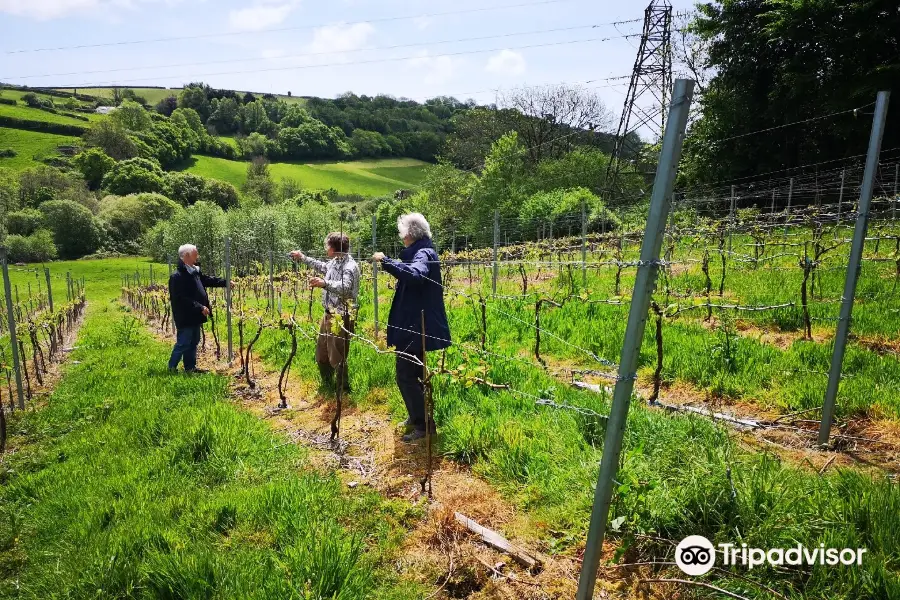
point(21, 111)
point(30, 146)
point(369, 177)
point(132, 482)
point(154, 95)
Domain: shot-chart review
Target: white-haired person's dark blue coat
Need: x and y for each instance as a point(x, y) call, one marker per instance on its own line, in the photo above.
point(419, 288)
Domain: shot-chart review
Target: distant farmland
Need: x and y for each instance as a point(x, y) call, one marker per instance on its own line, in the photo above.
point(366, 177)
point(30, 146)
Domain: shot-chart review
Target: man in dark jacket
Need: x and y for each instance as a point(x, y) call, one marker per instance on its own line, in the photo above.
point(190, 306)
point(419, 288)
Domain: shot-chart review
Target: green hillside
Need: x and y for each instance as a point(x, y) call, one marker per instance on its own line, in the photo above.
point(154, 95)
point(366, 177)
point(30, 146)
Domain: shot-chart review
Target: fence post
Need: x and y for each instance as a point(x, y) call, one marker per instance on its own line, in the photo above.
point(271, 293)
point(496, 241)
point(69, 296)
point(645, 281)
point(853, 266)
point(375, 270)
point(840, 199)
point(11, 324)
point(49, 288)
point(894, 203)
point(773, 206)
point(228, 299)
point(584, 243)
point(731, 219)
point(787, 214)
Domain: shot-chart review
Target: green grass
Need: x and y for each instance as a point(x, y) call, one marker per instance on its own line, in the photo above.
point(135, 483)
point(21, 111)
point(30, 146)
point(152, 95)
point(368, 178)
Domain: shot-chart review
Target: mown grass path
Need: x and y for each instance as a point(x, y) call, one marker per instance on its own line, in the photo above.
point(136, 483)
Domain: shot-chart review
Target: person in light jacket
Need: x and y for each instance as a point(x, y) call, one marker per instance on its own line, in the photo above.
point(190, 306)
point(340, 288)
point(419, 288)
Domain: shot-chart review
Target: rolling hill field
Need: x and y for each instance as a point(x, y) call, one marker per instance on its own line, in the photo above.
point(154, 95)
point(30, 146)
point(366, 177)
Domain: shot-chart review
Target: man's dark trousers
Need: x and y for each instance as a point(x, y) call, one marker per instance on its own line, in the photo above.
point(186, 341)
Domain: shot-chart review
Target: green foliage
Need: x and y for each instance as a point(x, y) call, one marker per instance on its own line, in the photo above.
point(25, 221)
point(185, 188)
point(133, 176)
point(42, 183)
point(259, 184)
point(94, 164)
point(220, 193)
point(37, 247)
point(113, 139)
point(194, 96)
point(781, 61)
point(130, 217)
point(501, 181)
point(565, 205)
point(131, 116)
point(202, 224)
point(75, 231)
point(45, 126)
point(369, 144)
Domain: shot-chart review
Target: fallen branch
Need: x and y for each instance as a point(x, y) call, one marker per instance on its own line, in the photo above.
point(826, 465)
point(498, 542)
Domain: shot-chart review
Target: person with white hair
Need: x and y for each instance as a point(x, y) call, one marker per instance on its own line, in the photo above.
point(419, 288)
point(190, 306)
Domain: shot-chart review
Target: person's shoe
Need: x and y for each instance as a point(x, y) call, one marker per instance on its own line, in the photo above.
point(412, 436)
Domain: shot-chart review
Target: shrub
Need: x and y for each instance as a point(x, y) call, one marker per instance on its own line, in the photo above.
point(185, 188)
point(42, 183)
point(8, 101)
point(128, 218)
point(37, 247)
point(25, 221)
point(75, 231)
point(94, 164)
point(133, 176)
point(32, 100)
point(112, 139)
point(221, 193)
point(8, 153)
point(44, 126)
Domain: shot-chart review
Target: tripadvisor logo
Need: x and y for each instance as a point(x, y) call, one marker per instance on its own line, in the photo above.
point(696, 555)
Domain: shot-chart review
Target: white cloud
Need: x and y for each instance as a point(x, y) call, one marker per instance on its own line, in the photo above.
point(506, 62)
point(45, 10)
point(439, 69)
point(263, 15)
point(340, 38)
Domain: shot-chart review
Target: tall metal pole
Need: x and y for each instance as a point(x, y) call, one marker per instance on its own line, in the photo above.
point(11, 324)
point(853, 266)
point(49, 288)
point(645, 281)
point(787, 214)
point(584, 243)
point(375, 270)
point(228, 299)
point(731, 219)
point(496, 241)
point(841, 198)
point(894, 203)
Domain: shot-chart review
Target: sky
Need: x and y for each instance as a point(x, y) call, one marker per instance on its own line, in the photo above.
point(405, 48)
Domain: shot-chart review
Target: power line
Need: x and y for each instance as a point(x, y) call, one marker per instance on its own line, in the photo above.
point(308, 54)
point(349, 63)
point(843, 112)
point(302, 27)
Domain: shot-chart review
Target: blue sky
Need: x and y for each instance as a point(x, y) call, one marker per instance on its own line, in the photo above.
point(329, 48)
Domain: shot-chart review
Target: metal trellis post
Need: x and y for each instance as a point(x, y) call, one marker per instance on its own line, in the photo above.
point(894, 203)
point(228, 299)
point(496, 240)
point(584, 243)
point(49, 287)
point(11, 323)
point(787, 213)
point(853, 266)
point(375, 271)
point(840, 198)
point(645, 281)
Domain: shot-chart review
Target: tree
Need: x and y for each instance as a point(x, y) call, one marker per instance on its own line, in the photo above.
point(289, 188)
point(188, 121)
point(255, 119)
point(259, 182)
point(784, 61)
point(75, 231)
point(130, 217)
point(37, 247)
point(32, 100)
point(474, 133)
point(25, 221)
point(185, 188)
point(553, 115)
point(203, 225)
point(368, 144)
point(253, 145)
point(221, 193)
point(41, 183)
point(500, 185)
point(112, 138)
point(133, 176)
point(131, 116)
point(167, 106)
point(94, 164)
point(196, 96)
point(225, 116)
